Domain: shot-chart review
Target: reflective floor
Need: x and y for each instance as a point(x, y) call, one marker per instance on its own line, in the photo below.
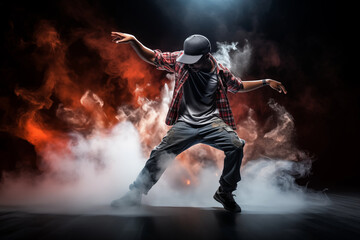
point(340, 219)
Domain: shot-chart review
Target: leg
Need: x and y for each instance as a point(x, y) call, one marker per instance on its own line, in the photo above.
point(180, 137)
point(221, 136)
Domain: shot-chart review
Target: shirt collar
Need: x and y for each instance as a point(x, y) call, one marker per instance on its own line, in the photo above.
point(216, 64)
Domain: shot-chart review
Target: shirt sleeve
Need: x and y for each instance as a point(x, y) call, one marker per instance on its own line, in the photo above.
point(166, 60)
point(234, 84)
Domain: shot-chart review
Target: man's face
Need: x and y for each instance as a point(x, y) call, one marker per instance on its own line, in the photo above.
point(199, 65)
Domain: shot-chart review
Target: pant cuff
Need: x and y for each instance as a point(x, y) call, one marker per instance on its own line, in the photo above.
point(226, 187)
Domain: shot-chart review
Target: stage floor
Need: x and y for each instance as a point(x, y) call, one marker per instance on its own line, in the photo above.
point(340, 219)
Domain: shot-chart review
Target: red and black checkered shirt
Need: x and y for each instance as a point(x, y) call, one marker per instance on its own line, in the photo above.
point(228, 82)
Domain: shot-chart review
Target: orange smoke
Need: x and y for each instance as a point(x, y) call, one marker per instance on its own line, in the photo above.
point(88, 90)
point(98, 87)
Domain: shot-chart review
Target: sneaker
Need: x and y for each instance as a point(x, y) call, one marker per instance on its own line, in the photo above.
point(131, 198)
point(227, 200)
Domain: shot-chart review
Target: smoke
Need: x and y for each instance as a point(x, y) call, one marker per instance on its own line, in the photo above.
point(99, 168)
point(234, 58)
point(267, 186)
point(114, 114)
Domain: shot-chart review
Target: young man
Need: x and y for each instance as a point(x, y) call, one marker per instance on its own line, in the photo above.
point(199, 112)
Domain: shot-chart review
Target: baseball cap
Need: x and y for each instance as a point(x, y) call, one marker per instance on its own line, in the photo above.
point(195, 47)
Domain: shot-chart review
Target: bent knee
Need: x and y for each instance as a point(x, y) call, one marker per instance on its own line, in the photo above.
point(238, 143)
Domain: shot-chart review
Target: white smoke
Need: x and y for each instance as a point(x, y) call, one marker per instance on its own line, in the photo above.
point(98, 168)
point(235, 58)
point(101, 165)
point(269, 186)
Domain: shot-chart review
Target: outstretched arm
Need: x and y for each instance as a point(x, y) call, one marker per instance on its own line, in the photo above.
point(255, 84)
point(235, 84)
point(144, 53)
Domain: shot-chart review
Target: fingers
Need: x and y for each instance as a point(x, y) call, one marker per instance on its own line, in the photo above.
point(280, 88)
point(277, 86)
point(119, 40)
point(115, 39)
point(283, 89)
point(116, 34)
point(120, 37)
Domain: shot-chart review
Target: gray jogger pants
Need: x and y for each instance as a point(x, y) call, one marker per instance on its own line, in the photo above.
point(182, 136)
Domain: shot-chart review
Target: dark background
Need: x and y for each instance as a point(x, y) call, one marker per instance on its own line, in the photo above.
point(314, 40)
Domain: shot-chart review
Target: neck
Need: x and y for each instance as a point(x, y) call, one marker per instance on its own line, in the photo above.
point(209, 66)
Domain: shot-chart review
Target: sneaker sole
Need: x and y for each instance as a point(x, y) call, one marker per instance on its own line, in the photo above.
point(219, 200)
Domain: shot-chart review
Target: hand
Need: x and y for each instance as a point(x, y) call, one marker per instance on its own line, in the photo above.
point(276, 85)
point(119, 37)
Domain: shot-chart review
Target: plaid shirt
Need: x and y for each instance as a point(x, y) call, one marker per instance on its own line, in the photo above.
point(167, 61)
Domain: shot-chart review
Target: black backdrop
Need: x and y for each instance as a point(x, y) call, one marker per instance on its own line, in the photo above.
point(315, 40)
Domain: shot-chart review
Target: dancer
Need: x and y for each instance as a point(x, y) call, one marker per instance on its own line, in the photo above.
point(199, 112)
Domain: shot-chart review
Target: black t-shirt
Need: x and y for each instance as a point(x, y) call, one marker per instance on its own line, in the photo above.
point(198, 105)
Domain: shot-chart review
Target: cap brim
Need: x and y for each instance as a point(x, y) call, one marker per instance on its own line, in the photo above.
point(188, 59)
